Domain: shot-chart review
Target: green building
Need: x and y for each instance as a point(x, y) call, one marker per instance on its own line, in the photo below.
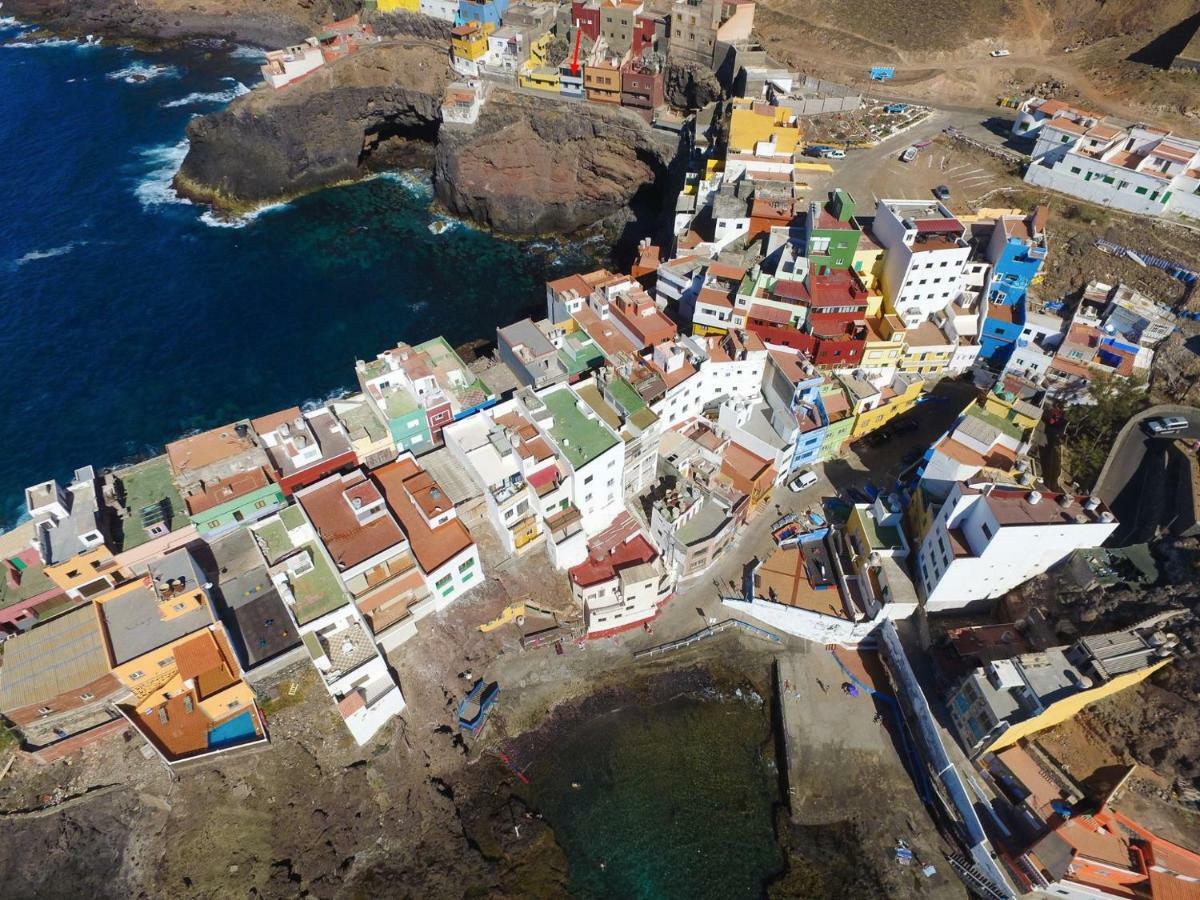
point(831, 234)
point(224, 505)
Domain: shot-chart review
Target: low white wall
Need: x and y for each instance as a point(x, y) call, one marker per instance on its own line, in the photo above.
point(804, 623)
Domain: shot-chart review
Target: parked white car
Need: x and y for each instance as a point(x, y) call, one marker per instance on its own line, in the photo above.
point(835, 154)
point(805, 479)
point(1000, 53)
point(908, 155)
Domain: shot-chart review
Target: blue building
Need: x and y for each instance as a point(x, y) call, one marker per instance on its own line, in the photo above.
point(481, 11)
point(1016, 251)
point(792, 389)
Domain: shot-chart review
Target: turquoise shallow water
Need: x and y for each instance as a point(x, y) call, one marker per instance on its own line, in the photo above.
point(128, 317)
point(674, 800)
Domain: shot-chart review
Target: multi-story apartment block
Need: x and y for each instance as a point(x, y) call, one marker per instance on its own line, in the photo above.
point(694, 26)
point(924, 259)
point(65, 522)
point(982, 542)
point(440, 542)
point(1139, 169)
point(614, 400)
point(622, 583)
point(831, 234)
point(304, 447)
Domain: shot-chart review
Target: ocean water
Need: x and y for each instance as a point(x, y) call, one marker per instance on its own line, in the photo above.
point(129, 317)
point(668, 801)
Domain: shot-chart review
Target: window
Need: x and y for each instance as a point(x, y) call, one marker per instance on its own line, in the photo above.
point(44, 710)
point(1075, 170)
point(470, 562)
point(166, 661)
point(261, 504)
point(86, 696)
point(987, 531)
point(214, 523)
point(588, 480)
point(134, 676)
point(1139, 190)
point(443, 581)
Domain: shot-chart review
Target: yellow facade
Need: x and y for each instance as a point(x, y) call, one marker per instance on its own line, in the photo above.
point(884, 346)
point(927, 361)
point(868, 263)
point(748, 127)
point(540, 79)
point(94, 566)
point(539, 50)
point(387, 6)
point(470, 41)
point(868, 420)
point(1069, 707)
point(701, 330)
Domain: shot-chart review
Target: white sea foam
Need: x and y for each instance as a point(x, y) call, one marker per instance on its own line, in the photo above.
point(315, 404)
point(155, 187)
point(244, 51)
point(140, 71)
point(34, 255)
point(8, 22)
point(45, 42)
point(215, 220)
point(236, 90)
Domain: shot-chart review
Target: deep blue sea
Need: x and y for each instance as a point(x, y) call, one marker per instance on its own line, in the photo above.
point(128, 317)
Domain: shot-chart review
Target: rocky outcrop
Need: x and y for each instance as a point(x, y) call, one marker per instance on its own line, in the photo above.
point(268, 23)
point(270, 145)
point(691, 85)
point(536, 166)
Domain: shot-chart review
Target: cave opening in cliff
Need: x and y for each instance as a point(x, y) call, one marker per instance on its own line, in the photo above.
point(398, 142)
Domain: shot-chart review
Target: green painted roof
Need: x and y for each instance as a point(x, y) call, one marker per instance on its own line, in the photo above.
point(147, 484)
point(581, 354)
point(1012, 429)
point(580, 438)
point(880, 536)
point(318, 591)
point(623, 392)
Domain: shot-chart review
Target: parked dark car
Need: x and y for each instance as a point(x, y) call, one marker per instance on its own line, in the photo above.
point(942, 192)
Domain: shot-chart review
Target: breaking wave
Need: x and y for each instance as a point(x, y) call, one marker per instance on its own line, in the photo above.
point(139, 71)
point(209, 96)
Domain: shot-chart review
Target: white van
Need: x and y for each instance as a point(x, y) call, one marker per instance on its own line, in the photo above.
point(805, 479)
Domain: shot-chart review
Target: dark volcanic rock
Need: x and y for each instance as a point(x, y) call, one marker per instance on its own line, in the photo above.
point(271, 145)
point(532, 166)
point(270, 24)
point(691, 85)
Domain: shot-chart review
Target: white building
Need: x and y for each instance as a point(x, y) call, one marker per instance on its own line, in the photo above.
point(983, 542)
point(446, 10)
point(1140, 169)
point(352, 670)
point(462, 102)
point(924, 259)
point(1035, 348)
point(622, 582)
point(286, 65)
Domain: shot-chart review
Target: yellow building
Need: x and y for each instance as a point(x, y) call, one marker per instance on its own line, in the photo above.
point(539, 49)
point(875, 407)
point(884, 346)
point(389, 6)
point(754, 123)
point(928, 350)
point(539, 78)
point(868, 260)
point(87, 574)
point(469, 41)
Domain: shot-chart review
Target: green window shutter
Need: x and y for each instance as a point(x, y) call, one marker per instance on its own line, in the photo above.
point(1108, 179)
point(1166, 196)
point(1140, 190)
point(1074, 170)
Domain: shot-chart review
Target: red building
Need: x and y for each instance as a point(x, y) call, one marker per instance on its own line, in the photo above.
point(832, 309)
point(586, 17)
point(645, 30)
point(642, 87)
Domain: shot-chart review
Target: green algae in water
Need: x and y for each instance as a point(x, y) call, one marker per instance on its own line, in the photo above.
point(675, 800)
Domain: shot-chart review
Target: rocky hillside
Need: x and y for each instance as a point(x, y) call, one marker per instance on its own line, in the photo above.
point(533, 167)
point(270, 23)
point(270, 145)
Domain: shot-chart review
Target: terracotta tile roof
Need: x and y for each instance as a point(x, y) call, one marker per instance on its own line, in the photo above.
point(433, 547)
point(620, 546)
point(348, 541)
point(265, 424)
point(197, 655)
point(206, 448)
point(772, 314)
point(226, 489)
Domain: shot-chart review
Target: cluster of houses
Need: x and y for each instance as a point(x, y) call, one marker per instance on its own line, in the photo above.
point(335, 41)
point(1139, 169)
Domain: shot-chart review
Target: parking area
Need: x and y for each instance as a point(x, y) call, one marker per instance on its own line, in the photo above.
point(879, 172)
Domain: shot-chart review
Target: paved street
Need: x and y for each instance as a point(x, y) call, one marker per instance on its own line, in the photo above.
point(1140, 478)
